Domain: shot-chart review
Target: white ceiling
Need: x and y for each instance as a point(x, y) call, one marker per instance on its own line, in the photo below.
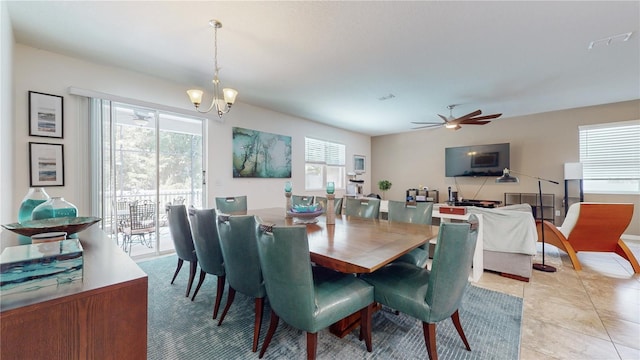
point(330, 61)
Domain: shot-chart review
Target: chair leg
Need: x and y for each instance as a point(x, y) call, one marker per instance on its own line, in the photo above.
point(230, 297)
point(219, 292)
point(192, 275)
point(202, 275)
point(365, 325)
point(312, 345)
point(456, 322)
point(180, 262)
point(623, 250)
point(429, 331)
point(258, 323)
point(273, 325)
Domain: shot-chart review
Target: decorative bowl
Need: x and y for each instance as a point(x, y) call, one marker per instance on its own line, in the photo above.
point(70, 225)
point(307, 216)
point(306, 208)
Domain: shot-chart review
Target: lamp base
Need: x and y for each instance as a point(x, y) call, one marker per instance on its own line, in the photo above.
point(543, 267)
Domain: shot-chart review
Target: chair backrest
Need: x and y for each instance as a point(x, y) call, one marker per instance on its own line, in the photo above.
point(337, 204)
point(598, 226)
point(286, 267)
point(301, 200)
point(450, 268)
point(142, 216)
point(181, 232)
point(232, 205)
point(363, 208)
point(420, 213)
point(206, 240)
point(238, 241)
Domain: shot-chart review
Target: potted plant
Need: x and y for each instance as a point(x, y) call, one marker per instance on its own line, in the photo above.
point(384, 185)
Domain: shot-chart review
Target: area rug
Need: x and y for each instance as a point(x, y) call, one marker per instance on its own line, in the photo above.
point(179, 328)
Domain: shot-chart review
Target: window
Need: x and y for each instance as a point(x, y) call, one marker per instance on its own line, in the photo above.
point(324, 161)
point(610, 154)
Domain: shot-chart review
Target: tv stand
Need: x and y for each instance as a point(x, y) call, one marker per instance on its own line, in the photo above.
point(479, 203)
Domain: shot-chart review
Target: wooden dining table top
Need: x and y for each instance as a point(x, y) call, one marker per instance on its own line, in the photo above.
point(354, 245)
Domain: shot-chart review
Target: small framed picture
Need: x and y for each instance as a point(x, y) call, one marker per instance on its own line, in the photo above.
point(45, 115)
point(46, 164)
point(359, 164)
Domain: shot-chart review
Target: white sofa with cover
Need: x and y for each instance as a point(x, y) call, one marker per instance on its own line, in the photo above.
point(510, 238)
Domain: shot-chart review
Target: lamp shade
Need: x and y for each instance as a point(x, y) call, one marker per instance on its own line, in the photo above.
point(507, 178)
point(195, 96)
point(229, 95)
point(573, 171)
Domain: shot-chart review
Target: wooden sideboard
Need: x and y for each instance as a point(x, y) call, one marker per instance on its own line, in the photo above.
point(102, 317)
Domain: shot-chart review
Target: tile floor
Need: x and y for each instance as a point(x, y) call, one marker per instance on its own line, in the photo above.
point(588, 314)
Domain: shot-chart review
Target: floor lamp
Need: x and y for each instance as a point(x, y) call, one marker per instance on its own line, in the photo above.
point(507, 178)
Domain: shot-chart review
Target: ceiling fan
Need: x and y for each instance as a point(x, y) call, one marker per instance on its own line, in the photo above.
point(450, 122)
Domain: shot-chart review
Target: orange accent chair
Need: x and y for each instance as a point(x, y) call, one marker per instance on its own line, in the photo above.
point(592, 227)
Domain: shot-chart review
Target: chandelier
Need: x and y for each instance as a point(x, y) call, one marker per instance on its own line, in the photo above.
point(221, 104)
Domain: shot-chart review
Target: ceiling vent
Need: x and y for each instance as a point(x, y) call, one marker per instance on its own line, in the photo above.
point(609, 40)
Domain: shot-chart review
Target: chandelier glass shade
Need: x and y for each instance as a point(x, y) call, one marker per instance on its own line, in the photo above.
point(221, 102)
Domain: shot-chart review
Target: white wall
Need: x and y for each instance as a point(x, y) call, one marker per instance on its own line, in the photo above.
point(540, 145)
point(52, 73)
point(6, 117)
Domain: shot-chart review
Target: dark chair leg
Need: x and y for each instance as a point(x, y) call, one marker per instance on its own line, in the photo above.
point(456, 322)
point(365, 325)
point(192, 275)
point(312, 345)
point(273, 325)
point(180, 262)
point(230, 297)
point(202, 275)
point(219, 292)
point(429, 330)
point(256, 327)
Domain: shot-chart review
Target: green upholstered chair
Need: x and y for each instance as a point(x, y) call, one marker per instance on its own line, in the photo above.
point(420, 213)
point(305, 298)
point(232, 205)
point(337, 204)
point(364, 208)
point(240, 253)
point(431, 296)
point(301, 200)
point(182, 241)
point(207, 244)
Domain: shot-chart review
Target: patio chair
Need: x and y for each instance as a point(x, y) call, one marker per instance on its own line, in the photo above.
point(141, 225)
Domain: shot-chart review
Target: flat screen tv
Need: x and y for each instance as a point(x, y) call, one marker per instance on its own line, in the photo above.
point(476, 160)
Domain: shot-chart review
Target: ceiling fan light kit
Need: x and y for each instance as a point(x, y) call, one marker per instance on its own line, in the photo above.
point(472, 118)
point(223, 103)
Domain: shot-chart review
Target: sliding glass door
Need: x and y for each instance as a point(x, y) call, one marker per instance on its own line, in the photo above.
point(149, 159)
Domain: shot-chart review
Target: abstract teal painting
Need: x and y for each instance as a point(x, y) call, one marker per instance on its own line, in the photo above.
point(261, 154)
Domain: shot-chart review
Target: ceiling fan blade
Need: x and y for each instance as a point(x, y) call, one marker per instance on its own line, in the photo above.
point(473, 122)
point(487, 117)
point(469, 115)
point(443, 118)
point(426, 122)
point(427, 126)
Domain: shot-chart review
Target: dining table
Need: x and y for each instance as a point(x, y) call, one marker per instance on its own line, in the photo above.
point(354, 245)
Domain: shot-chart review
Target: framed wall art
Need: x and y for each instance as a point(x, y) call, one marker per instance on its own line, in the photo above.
point(259, 154)
point(359, 164)
point(45, 115)
point(46, 164)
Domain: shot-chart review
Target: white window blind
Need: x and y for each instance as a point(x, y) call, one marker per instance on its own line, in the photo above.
point(324, 152)
point(610, 154)
point(324, 161)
